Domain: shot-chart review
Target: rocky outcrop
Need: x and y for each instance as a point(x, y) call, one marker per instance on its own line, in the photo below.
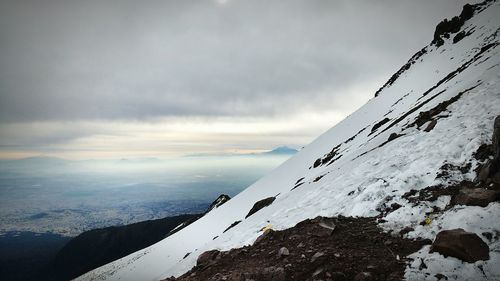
point(447, 27)
point(490, 170)
point(476, 197)
point(259, 205)
point(207, 258)
point(223, 198)
point(460, 244)
point(495, 169)
point(496, 138)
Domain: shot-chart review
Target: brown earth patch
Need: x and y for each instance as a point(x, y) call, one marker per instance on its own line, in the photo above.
point(355, 247)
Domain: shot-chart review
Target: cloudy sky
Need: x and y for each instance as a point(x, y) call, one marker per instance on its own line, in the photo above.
point(113, 79)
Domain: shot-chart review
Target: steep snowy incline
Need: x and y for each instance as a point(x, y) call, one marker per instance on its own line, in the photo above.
point(369, 160)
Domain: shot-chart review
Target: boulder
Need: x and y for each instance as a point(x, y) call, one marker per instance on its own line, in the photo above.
point(431, 126)
point(207, 258)
point(460, 244)
point(393, 136)
point(476, 197)
point(484, 172)
point(327, 226)
point(496, 140)
point(259, 205)
point(283, 252)
point(316, 256)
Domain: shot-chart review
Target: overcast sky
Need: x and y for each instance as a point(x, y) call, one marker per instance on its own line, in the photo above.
point(112, 79)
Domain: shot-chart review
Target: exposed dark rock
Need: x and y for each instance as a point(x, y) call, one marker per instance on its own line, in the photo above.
point(271, 273)
point(379, 124)
point(405, 67)
point(431, 126)
point(447, 170)
point(496, 143)
point(445, 79)
point(461, 35)
point(207, 258)
point(299, 180)
point(231, 226)
point(393, 136)
point(353, 137)
point(318, 178)
point(406, 230)
point(476, 197)
point(440, 276)
point(297, 185)
point(385, 209)
point(327, 223)
point(490, 169)
point(460, 244)
point(446, 27)
point(259, 205)
point(431, 193)
point(483, 152)
point(327, 158)
point(283, 252)
point(426, 116)
point(488, 235)
point(223, 198)
point(316, 256)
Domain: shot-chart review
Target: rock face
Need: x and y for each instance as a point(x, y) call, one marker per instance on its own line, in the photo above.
point(460, 244)
point(223, 198)
point(496, 145)
point(207, 258)
point(496, 139)
point(476, 197)
point(259, 205)
point(431, 126)
point(446, 27)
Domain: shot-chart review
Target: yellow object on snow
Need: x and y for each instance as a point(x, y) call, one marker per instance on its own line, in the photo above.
point(267, 227)
point(427, 221)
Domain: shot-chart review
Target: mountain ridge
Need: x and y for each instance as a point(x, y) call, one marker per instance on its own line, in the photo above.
point(431, 121)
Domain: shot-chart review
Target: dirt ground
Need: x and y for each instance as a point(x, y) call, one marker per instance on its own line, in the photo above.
point(356, 249)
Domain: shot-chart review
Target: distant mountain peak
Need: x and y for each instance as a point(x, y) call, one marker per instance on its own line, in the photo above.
point(282, 150)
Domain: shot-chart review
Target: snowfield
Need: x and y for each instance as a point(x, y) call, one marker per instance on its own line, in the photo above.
point(370, 171)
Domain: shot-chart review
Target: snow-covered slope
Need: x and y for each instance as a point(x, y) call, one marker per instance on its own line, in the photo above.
point(361, 170)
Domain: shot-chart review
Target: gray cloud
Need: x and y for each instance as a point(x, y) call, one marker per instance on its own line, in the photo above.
point(91, 60)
